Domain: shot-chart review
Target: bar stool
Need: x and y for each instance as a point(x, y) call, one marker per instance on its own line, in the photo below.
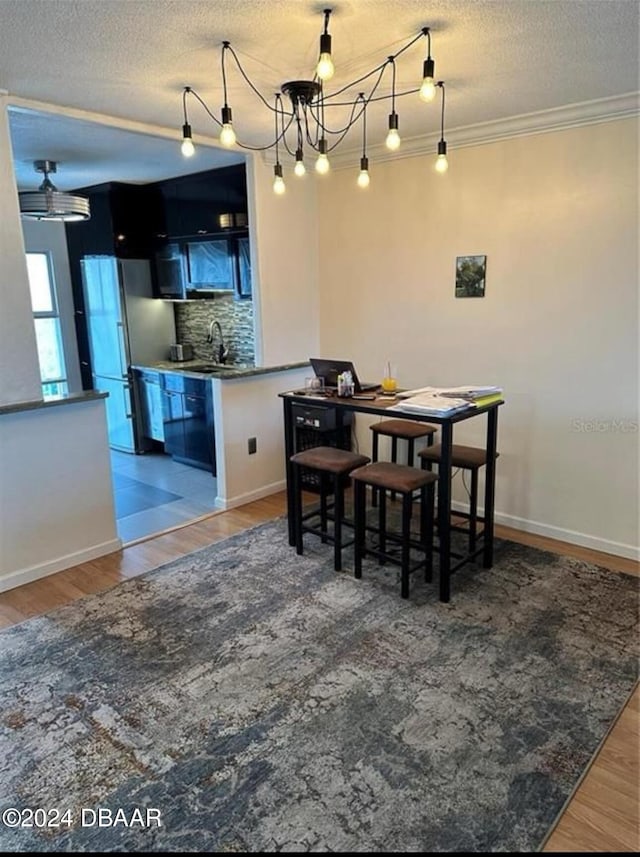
point(333, 466)
point(397, 478)
point(399, 430)
point(464, 458)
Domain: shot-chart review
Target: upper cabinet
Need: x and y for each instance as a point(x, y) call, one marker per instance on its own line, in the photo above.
point(124, 221)
point(202, 245)
point(201, 204)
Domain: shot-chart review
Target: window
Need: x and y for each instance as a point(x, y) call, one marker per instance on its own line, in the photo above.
point(47, 324)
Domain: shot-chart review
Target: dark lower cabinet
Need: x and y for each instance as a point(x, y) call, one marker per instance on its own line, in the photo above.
point(187, 415)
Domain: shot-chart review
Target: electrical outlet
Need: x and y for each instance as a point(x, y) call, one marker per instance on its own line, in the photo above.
point(252, 445)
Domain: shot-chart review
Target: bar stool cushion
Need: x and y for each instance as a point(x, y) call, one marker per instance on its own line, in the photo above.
point(329, 458)
point(468, 457)
point(393, 477)
point(403, 428)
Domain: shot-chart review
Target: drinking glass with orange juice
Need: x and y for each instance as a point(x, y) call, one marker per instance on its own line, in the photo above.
point(389, 382)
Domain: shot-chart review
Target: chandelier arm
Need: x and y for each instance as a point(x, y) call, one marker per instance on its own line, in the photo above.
point(238, 143)
point(379, 97)
point(380, 67)
point(184, 103)
point(352, 105)
point(283, 135)
point(364, 124)
point(225, 47)
point(393, 85)
point(313, 143)
point(248, 80)
point(206, 108)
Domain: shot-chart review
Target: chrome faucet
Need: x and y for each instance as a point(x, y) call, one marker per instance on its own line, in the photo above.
point(222, 352)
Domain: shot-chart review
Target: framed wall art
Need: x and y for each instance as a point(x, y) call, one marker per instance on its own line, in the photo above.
point(471, 272)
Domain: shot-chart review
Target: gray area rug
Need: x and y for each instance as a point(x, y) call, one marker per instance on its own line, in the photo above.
point(254, 701)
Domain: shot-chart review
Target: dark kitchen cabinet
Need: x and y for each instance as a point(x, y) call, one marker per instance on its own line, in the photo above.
point(196, 269)
point(206, 203)
point(210, 265)
point(243, 262)
point(169, 269)
point(124, 222)
point(187, 415)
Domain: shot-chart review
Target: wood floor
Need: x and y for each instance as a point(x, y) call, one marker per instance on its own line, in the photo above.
point(603, 814)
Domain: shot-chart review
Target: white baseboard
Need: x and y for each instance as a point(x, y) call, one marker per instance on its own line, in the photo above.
point(35, 572)
point(258, 494)
point(570, 536)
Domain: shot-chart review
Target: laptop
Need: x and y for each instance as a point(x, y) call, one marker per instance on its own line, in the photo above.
point(330, 369)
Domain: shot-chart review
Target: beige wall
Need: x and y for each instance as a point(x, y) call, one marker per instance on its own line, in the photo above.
point(557, 217)
point(20, 375)
point(284, 257)
point(56, 499)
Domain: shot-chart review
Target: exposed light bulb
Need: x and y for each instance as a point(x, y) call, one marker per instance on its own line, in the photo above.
point(363, 175)
point(278, 181)
point(299, 168)
point(428, 89)
point(325, 68)
point(442, 164)
point(187, 148)
point(322, 165)
point(393, 139)
point(228, 135)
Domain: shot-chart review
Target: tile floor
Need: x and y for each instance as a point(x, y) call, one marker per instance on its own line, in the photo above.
point(153, 492)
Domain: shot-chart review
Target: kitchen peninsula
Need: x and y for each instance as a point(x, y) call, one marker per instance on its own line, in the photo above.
point(244, 407)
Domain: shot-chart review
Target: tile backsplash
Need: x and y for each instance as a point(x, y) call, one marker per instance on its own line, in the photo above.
point(236, 320)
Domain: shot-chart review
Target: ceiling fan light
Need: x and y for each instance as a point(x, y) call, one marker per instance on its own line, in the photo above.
point(48, 203)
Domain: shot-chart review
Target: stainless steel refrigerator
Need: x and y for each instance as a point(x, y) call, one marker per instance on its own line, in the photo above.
point(126, 326)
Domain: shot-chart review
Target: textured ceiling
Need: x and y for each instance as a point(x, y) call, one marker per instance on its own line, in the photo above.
point(131, 58)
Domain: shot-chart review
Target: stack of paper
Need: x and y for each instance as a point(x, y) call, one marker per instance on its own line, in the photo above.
point(432, 403)
point(469, 393)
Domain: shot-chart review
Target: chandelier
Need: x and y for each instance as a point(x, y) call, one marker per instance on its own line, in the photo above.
point(304, 126)
point(48, 203)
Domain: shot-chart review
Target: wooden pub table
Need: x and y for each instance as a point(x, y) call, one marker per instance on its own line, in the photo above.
point(295, 401)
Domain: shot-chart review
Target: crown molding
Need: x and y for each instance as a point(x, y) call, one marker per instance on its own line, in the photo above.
point(526, 124)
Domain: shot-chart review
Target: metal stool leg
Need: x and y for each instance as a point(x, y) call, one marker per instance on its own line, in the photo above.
point(406, 547)
point(374, 457)
point(338, 510)
point(394, 458)
point(297, 505)
point(323, 505)
point(360, 520)
point(382, 523)
point(428, 504)
point(473, 510)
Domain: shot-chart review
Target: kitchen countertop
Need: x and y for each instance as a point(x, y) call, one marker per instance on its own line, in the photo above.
point(224, 372)
point(52, 401)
